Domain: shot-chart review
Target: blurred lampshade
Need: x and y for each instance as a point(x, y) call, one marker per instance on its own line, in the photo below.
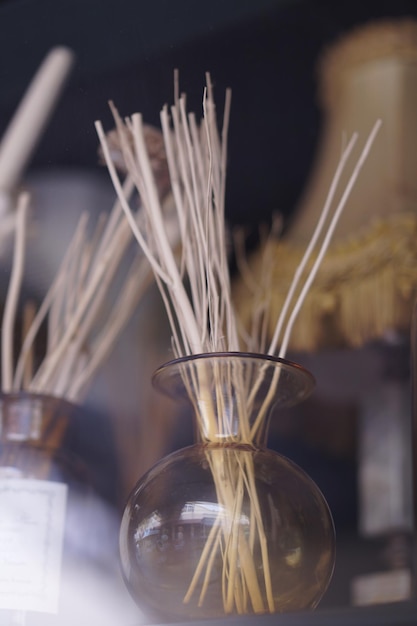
point(366, 284)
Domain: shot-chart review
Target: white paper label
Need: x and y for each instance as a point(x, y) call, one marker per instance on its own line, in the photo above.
point(32, 519)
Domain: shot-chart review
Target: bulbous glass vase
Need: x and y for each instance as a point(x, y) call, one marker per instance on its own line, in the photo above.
point(226, 526)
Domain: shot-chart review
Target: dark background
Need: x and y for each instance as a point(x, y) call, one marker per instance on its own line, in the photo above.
point(126, 50)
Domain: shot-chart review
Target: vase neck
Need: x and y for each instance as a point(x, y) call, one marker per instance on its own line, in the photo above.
point(233, 394)
point(227, 415)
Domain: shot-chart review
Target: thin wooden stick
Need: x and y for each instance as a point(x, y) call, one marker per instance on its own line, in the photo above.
point(310, 248)
point(56, 294)
point(29, 313)
point(328, 236)
point(124, 203)
point(13, 293)
point(211, 543)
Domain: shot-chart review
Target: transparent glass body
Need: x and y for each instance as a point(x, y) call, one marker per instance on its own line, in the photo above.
point(227, 526)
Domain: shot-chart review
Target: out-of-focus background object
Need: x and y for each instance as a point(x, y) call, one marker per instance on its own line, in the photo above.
point(31, 116)
point(268, 52)
point(367, 282)
point(25, 129)
point(58, 534)
point(52, 512)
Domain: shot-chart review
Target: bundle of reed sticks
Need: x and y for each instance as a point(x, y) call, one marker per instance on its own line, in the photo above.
point(93, 295)
point(196, 289)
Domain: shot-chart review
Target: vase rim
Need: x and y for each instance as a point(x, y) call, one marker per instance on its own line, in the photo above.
point(286, 364)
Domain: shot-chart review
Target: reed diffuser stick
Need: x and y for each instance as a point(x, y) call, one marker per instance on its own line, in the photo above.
point(329, 233)
point(8, 326)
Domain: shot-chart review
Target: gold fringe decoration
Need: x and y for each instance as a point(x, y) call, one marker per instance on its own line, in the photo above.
point(365, 287)
point(368, 278)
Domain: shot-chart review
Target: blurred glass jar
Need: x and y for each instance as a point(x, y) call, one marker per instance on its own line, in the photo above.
point(50, 519)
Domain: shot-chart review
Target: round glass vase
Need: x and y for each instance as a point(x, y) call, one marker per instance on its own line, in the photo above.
point(226, 526)
point(44, 495)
